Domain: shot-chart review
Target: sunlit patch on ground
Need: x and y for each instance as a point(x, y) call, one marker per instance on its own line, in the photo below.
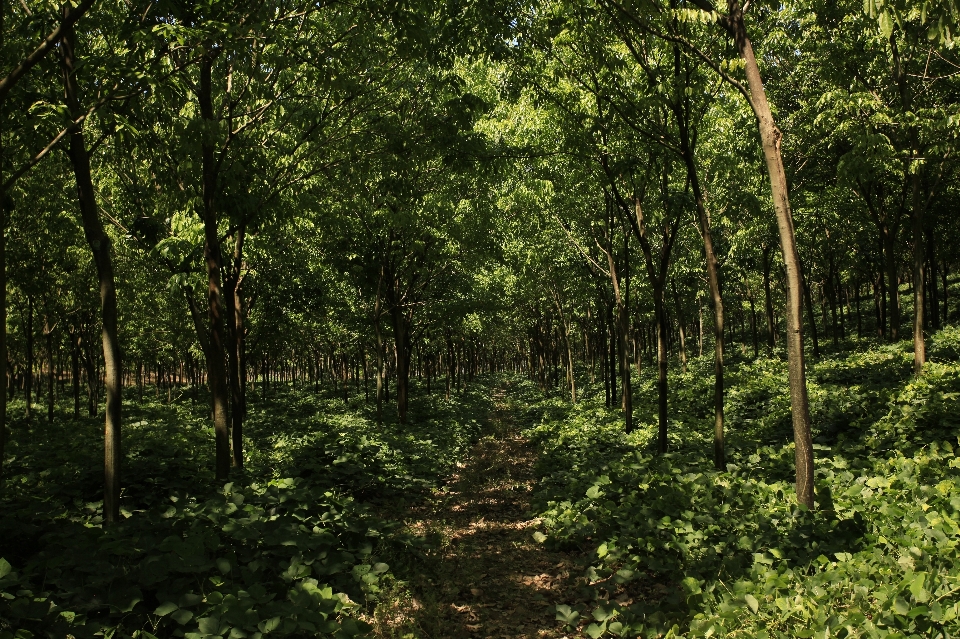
point(487, 576)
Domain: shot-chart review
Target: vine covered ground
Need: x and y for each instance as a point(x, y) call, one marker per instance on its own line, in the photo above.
point(505, 512)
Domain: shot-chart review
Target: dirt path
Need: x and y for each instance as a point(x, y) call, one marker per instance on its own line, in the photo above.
point(489, 577)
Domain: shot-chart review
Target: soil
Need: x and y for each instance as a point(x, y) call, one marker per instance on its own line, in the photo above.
point(486, 575)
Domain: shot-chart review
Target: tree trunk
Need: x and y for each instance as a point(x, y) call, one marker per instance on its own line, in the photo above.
point(28, 379)
point(401, 334)
point(892, 284)
point(681, 328)
point(99, 243)
point(768, 298)
point(716, 301)
point(75, 366)
point(934, 310)
point(771, 136)
point(811, 315)
point(216, 368)
point(662, 355)
point(612, 351)
point(234, 306)
point(919, 344)
point(3, 277)
point(51, 374)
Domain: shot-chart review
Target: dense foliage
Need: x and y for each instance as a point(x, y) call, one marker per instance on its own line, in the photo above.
point(878, 558)
point(264, 266)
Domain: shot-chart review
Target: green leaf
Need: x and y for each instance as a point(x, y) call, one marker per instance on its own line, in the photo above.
point(595, 631)
point(539, 537)
point(223, 565)
point(567, 615)
point(752, 602)
point(917, 590)
point(900, 606)
point(593, 492)
point(182, 616)
point(165, 609)
point(269, 625)
point(5, 568)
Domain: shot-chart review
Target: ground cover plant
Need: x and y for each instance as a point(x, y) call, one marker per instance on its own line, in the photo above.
point(281, 281)
point(293, 547)
point(877, 558)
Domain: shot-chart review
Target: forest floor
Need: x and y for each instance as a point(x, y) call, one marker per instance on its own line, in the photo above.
point(486, 576)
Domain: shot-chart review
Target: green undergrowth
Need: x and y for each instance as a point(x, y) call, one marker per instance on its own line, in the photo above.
point(296, 545)
point(680, 549)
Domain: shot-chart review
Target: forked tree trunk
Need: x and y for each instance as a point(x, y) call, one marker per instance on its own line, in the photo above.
point(99, 243)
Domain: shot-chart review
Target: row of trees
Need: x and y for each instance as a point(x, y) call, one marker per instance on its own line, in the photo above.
point(232, 193)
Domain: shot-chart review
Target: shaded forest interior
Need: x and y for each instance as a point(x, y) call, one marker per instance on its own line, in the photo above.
point(476, 318)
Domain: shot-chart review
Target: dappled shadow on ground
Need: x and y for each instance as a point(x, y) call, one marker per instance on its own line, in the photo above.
point(485, 575)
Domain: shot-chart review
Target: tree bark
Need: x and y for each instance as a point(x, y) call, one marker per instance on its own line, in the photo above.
point(622, 328)
point(716, 300)
point(768, 298)
point(75, 365)
point(28, 378)
point(401, 334)
point(216, 368)
point(51, 374)
point(919, 343)
point(811, 314)
point(3, 277)
point(770, 137)
point(234, 305)
point(99, 243)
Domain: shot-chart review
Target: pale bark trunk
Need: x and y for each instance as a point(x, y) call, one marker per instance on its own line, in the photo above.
point(770, 137)
point(919, 344)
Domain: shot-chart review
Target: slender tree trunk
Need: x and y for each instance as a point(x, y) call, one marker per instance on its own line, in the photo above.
point(811, 316)
point(612, 353)
point(771, 137)
point(934, 312)
point(662, 356)
point(51, 374)
point(892, 284)
point(622, 329)
point(99, 243)
point(402, 347)
point(919, 343)
point(216, 368)
point(234, 305)
point(75, 365)
point(3, 274)
point(859, 286)
point(946, 306)
point(716, 301)
point(681, 329)
point(768, 298)
point(28, 379)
